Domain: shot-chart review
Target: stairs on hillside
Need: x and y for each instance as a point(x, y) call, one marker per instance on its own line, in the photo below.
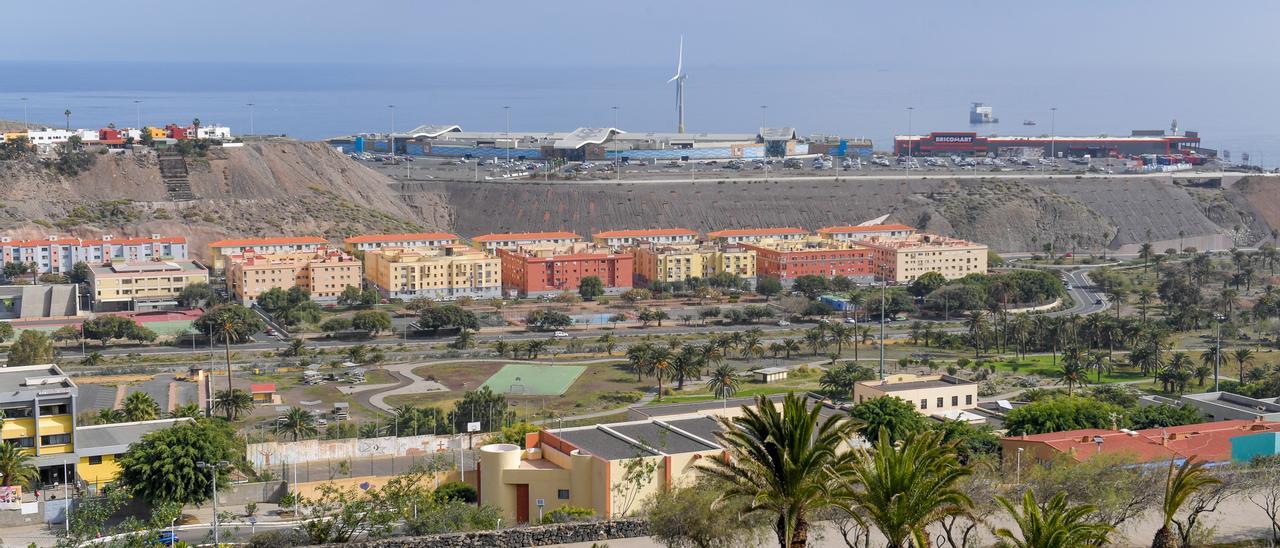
point(173, 169)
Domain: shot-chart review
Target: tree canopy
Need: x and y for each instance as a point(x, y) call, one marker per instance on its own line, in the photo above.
point(161, 467)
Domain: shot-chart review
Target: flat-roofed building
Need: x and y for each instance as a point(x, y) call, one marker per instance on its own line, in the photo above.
point(323, 272)
point(1209, 442)
point(929, 394)
point(99, 447)
point(369, 242)
point(902, 260)
point(440, 273)
point(865, 232)
point(142, 285)
point(1221, 406)
point(787, 260)
point(39, 405)
point(512, 240)
point(657, 236)
point(58, 254)
point(746, 235)
point(261, 246)
point(549, 269)
point(683, 262)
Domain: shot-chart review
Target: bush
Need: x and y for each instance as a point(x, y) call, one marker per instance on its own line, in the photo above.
point(455, 490)
point(566, 514)
point(283, 538)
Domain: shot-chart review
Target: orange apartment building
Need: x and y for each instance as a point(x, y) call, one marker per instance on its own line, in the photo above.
point(324, 273)
point(550, 269)
point(787, 260)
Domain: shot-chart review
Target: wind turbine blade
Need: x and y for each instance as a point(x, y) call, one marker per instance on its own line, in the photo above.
point(680, 58)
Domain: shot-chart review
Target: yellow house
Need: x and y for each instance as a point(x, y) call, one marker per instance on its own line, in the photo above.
point(442, 273)
point(98, 447)
point(157, 132)
point(13, 135)
point(673, 263)
point(140, 285)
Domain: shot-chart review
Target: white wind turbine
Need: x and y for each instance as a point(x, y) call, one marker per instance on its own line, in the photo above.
point(679, 80)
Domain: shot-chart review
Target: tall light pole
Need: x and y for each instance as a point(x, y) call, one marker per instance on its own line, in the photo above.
point(763, 110)
point(213, 489)
point(250, 105)
point(1217, 353)
point(506, 111)
point(391, 137)
point(910, 158)
point(617, 159)
point(884, 282)
point(24, 113)
point(137, 106)
point(1053, 133)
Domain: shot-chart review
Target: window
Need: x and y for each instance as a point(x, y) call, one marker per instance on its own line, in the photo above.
point(939, 401)
point(27, 442)
point(968, 399)
point(55, 439)
point(955, 400)
point(924, 403)
point(95, 459)
point(55, 409)
point(16, 412)
point(562, 494)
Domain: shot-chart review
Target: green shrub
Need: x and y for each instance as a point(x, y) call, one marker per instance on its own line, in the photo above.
point(455, 490)
point(566, 514)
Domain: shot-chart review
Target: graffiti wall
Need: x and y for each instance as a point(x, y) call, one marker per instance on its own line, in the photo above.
point(267, 454)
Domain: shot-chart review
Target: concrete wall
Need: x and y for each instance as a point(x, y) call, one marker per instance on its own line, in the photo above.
point(244, 493)
point(563, 533)
point(267, 454)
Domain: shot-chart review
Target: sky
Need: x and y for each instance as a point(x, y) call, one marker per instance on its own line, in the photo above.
point(1174, 35)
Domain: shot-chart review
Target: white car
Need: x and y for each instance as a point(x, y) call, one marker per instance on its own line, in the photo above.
point(559, 334)
point(850, 320)
point(783, 323)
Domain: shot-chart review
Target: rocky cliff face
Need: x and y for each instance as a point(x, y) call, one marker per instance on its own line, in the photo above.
point(261, 189)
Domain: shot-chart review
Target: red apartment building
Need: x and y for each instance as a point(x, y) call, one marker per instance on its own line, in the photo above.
point(549, 269)
point(788, 260)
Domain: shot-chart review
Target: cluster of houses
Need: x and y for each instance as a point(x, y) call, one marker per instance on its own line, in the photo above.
point(45, 138)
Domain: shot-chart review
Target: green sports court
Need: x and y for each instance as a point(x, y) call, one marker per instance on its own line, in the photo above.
point(534, 380)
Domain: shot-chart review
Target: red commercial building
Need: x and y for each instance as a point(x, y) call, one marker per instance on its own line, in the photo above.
point(787, 260)
point(947, 143)
point(550, 269)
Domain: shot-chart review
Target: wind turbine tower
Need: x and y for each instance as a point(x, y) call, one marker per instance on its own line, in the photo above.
point(679, 80)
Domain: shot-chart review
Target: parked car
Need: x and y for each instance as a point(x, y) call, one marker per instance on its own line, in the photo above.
point(783, 323)
point(559, 334)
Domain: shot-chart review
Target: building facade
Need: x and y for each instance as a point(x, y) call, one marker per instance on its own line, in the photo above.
point(370, 242)
point(219, 249)
point(947, 143)
point(440, 273)
point(1210, 442)
point(142, 285)
point(787, 260)
point(679, 263)
point(512, 240)
point(902, 260)
point(39, 405)
point(659, 236)
point(58, 254)
point(749, 235)
point(866, 232)
point(935, 395)
point(324, 273)
point(549, 269)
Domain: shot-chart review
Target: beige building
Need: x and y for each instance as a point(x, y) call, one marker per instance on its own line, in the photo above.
point(866, 232)
point(324, 273)
point(934, 395)
point(902, 260)
point(513, 240)
point(678, 263)
point(142, 285)
point(657, 236)
point(369, 242)
point(444, 273)
point(222, 248)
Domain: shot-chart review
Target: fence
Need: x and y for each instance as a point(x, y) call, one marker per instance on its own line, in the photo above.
point(270, 454)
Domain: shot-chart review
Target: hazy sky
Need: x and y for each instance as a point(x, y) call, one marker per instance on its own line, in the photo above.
point(1166, 34)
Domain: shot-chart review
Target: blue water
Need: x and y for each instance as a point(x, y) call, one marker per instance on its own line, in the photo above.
point(314, 101)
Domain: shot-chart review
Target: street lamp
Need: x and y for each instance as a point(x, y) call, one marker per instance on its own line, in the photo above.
point(1018, 473)
point(213, 489)
point(883, 283)
point(250, 105)
point(1053, 132)
point(763, 110)
point(1217, 354)
point(910, 158)
point(617, 159)
point(137, 105)
point(24, 113)
point(506, 111)
point(391, 137)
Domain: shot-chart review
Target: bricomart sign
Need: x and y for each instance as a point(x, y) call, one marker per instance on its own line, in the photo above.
point(954, 139)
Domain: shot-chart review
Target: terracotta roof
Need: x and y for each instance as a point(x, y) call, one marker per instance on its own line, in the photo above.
point(1210, 441)
point(525, 236)
point(265, 388)
point(247, 242)
point(870, 228)
point(113, 241)
point(756, 231)
point(645, 233)
point(370, 238)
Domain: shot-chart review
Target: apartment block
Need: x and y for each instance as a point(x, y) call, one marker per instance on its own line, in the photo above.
point(512, 240)
point(58, 254)
point(143, 285)
point(549, 269)
point(748, 235)
point(787, 260)
point(682, 262)
point(936, 395)
point(219, 249)
point(440, 273)
point(323, 272)
point(902, 260)
point(866, 232)
point(370, 242)
point(659, 236)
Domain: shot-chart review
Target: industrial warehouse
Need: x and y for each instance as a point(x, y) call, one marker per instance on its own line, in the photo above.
point(586, 144)
point(1139, 142)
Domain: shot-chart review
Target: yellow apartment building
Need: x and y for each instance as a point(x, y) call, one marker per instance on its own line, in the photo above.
point(142, 285)
point(324, 273)
point(370, 242)
point(936, 395)
point(220, 249)
point(672, 263)
point(443, 273)
point(902, 260)
point(98, 447)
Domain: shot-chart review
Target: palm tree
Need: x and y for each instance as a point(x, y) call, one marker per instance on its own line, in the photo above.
point(16, 467)
point(188, 411)
point(816, 339)
point(977, 327)
point(1074, 369)
point(1211, 358)
point(67, 113)
point(908, 486)
point(109, 416)
point(751, 345)
point(140, 406)
point(841, 334)
point(685, 364)
point(785, 463)
point(501, 347)
point(609, 342)
point(233, 403)
point(1177, 372)
point(297, 422)
point(1178, 487)
point(229, 327)
point(638, 356)
point(658, 364)
point(862, 335)
point(791, 345)
point(92, 359)
point(723, 382)
point(1242, 356)
point(777, 348)
point(1056, 525)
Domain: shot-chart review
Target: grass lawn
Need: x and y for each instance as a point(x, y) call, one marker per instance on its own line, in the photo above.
point(534, 380)
point(1043, 366)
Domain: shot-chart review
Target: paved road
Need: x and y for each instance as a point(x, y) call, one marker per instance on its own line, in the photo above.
point(1087, 299)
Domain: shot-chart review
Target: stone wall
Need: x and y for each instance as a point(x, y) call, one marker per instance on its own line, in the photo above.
point(543, 535)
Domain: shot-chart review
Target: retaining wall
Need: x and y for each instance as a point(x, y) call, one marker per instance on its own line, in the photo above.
point(543, 535)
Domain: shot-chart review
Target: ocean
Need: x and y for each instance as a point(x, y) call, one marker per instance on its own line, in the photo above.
point(1232, 111)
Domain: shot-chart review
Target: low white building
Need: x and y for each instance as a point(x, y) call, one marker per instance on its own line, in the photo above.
point(47, 137)
point(213, 132)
